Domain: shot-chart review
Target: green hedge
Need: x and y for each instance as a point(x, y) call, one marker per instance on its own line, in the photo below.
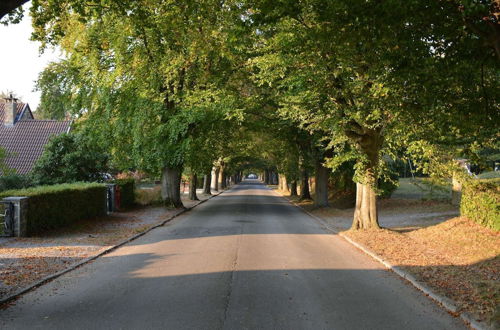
point(481, 202)
point(54, 206)
point(127, 192)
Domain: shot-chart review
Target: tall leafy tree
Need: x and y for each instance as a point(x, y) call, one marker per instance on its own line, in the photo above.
point(370, 73)
point(146, 74)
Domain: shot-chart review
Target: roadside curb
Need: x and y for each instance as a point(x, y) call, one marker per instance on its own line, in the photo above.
point(448, 304)
point(100, 254)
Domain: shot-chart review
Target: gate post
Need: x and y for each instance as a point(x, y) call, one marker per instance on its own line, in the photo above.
point(111, 198)
point(20, 215)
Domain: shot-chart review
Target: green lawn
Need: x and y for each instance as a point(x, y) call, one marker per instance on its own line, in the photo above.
point(489, 175)
point(421, 188)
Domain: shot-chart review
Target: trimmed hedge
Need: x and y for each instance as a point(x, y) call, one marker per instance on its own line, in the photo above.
point(54, 206)
point(481, 202)
point(127, 192)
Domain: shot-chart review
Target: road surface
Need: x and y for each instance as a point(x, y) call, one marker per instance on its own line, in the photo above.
point(244, 260)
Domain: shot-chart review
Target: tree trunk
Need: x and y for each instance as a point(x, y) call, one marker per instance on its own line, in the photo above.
point(293, 188)
point(304, 186)
point(171, 187)
point(207, 180)
point(369, 142)
point(223, 179)
point(365, 212)
point(192, 187)
point(321, 185)
point(456, 190)
point(216, 179)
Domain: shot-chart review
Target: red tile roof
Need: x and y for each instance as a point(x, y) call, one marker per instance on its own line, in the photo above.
point(25, 141)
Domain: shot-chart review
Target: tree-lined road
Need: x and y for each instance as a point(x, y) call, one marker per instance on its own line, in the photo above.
point(246, 259)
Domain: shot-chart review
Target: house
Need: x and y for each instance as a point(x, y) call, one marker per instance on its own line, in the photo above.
point(23, 136)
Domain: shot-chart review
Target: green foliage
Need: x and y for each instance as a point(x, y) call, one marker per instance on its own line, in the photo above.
point(151, 78)
point(14, 181)
point(70, 158)
point(4, 169)
point(51, 207)
point(127, 192)
point(481, 202)
point(55, 83)
point(276, 84)
point(387, 185)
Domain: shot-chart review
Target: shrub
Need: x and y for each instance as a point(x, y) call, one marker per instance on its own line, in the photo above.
point(387, 185)
point(127, 192)
point(70, 158)
point(51, 207)
point(148, 196)
point(14, 181)
point(481, 202)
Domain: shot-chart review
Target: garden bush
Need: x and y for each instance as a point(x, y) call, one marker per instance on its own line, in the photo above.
point(387, 185)
point(148, 196)
point(54, 206)
point(14, 181)
point(481, 202)
point(127, 192)
point(69, 158)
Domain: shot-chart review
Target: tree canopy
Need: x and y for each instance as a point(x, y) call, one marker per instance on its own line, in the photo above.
point(300, 88)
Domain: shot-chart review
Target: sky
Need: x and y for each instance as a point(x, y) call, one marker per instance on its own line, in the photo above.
point(20, 60)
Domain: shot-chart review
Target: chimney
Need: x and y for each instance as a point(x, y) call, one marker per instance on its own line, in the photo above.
point(10, 111)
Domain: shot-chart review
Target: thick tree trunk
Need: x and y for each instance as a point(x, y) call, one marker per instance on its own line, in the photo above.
point(192, 187)
point(365, 212)
point(223, 179)
point(284, 182)
point(171, 187)
point(369, 142)
point(293, 188)
point(207, 180)
point(304, 186)
point(216, 179)
point(321, 185)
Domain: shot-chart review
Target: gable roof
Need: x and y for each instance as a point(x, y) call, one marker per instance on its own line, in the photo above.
point(25, 141)
point(23, 111)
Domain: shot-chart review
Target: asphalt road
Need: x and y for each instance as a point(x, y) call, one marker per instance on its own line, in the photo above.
point(244, 260)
